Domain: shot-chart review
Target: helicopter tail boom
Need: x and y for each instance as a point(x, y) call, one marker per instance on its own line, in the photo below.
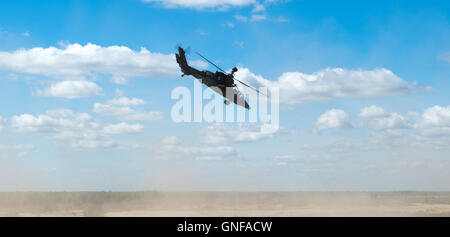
point(184, 66)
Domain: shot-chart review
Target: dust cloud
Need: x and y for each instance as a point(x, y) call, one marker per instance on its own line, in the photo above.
point(153, 203)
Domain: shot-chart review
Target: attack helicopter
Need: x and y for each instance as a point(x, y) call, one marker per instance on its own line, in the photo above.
point(218, 81)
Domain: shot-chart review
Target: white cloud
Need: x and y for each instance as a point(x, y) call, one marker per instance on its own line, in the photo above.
point(265, 131)
point(75, 129)
point(334, 118)
point(373, 111)
point(75, 61)
point(229, 24)
point(170, 140)
point(331, 83)
point(121, 128)
point(52, 120)
point(259, 8)
point(435, 122)
point(258, 17)
point(430, 129)
point(381, 119)
point(172, 148)
point(436, 116)
point(213, 142)
point(2, 124)
point(121, 110)
point(252, 18)
point(119, 92)
point(240, 18)
point(27, 34)
point(392, 121)
point(221, 133)
point(72, 89)
point(125, 113)
point(125, 101)
point(203, 4)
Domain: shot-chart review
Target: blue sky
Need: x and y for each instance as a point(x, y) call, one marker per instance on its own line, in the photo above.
point(85, 102)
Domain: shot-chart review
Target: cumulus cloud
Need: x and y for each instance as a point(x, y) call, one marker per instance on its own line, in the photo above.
point(259, 8)
point(202, 4)
point(125, 101)
point(436, 116)
point(373, 111)
point(172, 148)
point(67, 127)
point(331, 83)
point(434, 122)
point(221, 133)
point(430, 129)
point(121, 128)
point(75, 61)
point(72, 89)
point(334, 118)
point(121, 110)
point(392, 121)
point(381, 119)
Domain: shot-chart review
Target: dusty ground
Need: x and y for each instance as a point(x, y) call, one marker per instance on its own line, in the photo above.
point(226, 204)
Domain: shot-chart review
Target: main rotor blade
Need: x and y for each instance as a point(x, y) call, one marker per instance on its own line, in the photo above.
point(210, 62)
point(251, 87)
point(233, 77)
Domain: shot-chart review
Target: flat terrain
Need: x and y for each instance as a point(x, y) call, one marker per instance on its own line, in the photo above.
point(225, 204)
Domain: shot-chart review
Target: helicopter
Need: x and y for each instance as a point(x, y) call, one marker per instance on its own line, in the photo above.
point(218, 81)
